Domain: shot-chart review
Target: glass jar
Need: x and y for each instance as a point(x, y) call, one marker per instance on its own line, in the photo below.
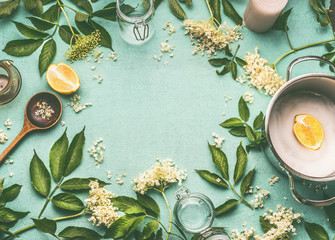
point(135, 22)
point(10, 81)
point(195, 213)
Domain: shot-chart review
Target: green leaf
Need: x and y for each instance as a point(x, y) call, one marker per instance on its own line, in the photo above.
point(133, 227)
point(1, 185)
point(45, 225)
point(41, 24)
point(75, 153)
point(57, 157)
point(329, 47)
point(238, 131)
point(85, 28)
point(316, 231)
point(240, 61)
point(227, 51)
point(9, 194)
point(317, 6)
point(233, 69)
point(229, 204)
point(8, 7)
point(150, 228)
point(83, 4)
point(241, 163)
point(47, 55)
point(218, 62)
point(243, 110)
point(246, 182)
point(220, 160)
point(177, 10)
point(230, 11)
point(39, 175)
point(109, 11)
point(67, 201)
point(79, 233)
point(35, 7)
point(52, 13)
point(44, 2)
point(106, 40)
point(121, 226)
point(159, 235)
point(250, 133)
point(128, 205)
point(7, 215)
point(30, 32)
point(77, 184)
point(212, 178)
point(8, 225)
point(215, 6)
point(66, 34)
point(81, 16)
point(5, 231)
point(232, 122)
point(149, 203)
point(265, 224)
point(23, 47)
point(180, 230)
point(281, 22)
point(258, 121)
point(224, 71)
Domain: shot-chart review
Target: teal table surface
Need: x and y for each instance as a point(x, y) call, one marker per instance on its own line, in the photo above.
point(145, 110)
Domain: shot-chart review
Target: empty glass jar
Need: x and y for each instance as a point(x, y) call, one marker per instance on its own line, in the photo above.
point(10, 81)
point(195, 213)
point(135, 20)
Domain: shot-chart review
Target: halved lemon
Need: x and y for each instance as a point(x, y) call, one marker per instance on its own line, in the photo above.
point(308, 130)
point(62, 78)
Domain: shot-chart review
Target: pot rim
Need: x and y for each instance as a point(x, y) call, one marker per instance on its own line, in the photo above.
point(267, 132)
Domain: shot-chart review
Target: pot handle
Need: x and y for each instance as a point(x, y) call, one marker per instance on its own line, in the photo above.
point(303, 59)
point(299, 198)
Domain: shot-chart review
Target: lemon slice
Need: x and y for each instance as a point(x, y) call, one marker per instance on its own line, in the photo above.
point(308, 130)
point(62, 78)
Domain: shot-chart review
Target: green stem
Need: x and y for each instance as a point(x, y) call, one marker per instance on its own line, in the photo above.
point(238, 47)
point(49, 198)
point(55, 219)
point(67, 19)
point(149, 216)
point(210, 11)
point(288, 38)
point(170, 213)
point(56, 236)
point(63, 5)
point(57, 25)
point(242, 199)
point(300, 48)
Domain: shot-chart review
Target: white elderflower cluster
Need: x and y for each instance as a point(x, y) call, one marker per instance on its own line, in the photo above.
point(119, 179)
point(44, 110)
point(208, 39)
point(75, 103)
point(260, 195)
point(248, 97)
point(8, 124)
point(273, 180)
point(282, 220)
point(3, 137)
point(99, 202)
point(112, 55)
point(171, 28)
point(162, 173)
point(217, 140)
point(243, 235)
point(261, 75)
point(97, 151)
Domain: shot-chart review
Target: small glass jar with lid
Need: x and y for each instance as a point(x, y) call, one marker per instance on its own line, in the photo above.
point(10, 81)
point(195, 213)
point(135, 20)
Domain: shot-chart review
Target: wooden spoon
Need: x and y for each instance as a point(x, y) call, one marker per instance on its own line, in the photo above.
point(35, 122)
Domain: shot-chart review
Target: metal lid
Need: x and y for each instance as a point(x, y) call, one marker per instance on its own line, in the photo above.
point(214, 233)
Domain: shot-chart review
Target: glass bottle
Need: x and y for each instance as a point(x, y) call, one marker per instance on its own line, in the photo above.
point(10, 81)
point(135, 25)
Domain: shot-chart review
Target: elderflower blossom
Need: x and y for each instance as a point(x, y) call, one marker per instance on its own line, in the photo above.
point(99, 202)
point(260, 75)
point(44, 110)
point(171, 28)
point(243, 235)
point(207, 38)
point(217, 140)
point(3, 137)
point(75, 103)
point(258, 202)
point(8, 124)
point(282, 220)
point(84, 44)
point(273, 180)
point(162, 173)
point(248, 97)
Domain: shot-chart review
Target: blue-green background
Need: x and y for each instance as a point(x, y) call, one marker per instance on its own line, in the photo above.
point(146, 110)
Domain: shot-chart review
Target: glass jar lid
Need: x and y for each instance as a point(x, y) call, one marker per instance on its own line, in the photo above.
point(214, 233)
point(194, 212)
